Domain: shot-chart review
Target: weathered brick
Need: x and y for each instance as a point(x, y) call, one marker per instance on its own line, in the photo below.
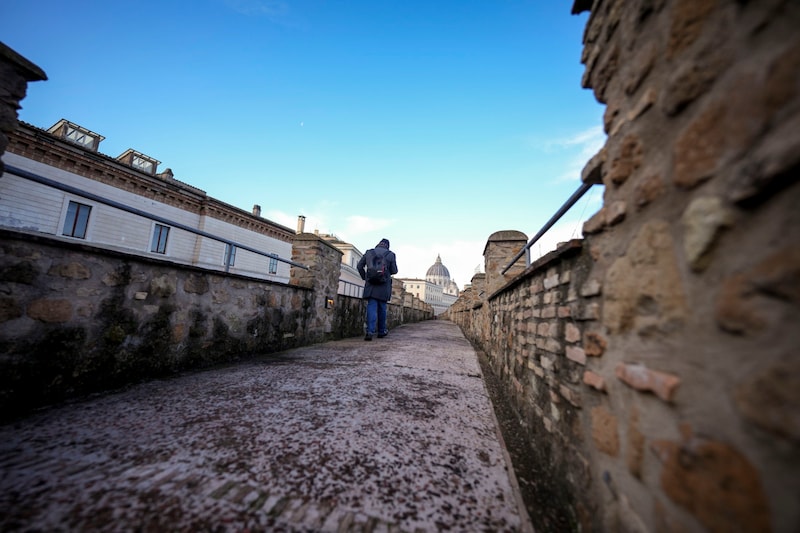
point(643, 379)
point(570, 395)
point(594, 380)
point(576, 354)
point(572, 333)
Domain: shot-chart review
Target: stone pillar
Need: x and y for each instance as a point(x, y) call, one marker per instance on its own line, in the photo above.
point(500, 249)
point(15, 73)
point(478, 289)
point(398, 290)
point(322, 277)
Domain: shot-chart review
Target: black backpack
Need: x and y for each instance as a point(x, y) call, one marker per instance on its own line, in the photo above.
point(377, 269)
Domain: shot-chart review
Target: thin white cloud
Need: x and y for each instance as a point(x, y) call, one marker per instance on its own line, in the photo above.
point(356, 225)
point(588, 137)
point(272, 9)
point(588, 142)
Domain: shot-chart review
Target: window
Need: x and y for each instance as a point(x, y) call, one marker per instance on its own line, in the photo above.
point(159, 244)
point(77, 220)
point(229, 249)
point(80, 137)
point(142, 164)
point(273, 265)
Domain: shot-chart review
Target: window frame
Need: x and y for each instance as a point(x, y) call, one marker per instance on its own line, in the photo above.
point(77, 215)
point(225, 255)
point(273, 265)
point(156, 245)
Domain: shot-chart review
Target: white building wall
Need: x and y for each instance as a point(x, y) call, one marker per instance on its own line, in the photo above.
point(28, 205)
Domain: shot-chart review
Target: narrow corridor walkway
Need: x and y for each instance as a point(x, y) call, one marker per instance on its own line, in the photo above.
point(396, 434)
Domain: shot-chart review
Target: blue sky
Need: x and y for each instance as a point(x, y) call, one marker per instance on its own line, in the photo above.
point(432, 123)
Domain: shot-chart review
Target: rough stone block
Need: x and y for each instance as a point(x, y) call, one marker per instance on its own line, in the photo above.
point(646, 278)
point(594, 344)
point(687, 23)
point(605, 434)
point(715, 483)
point(71, 270)
point(770, 399)
point(635, 447)
point(627, 160)
point(9, 309)
point(745, 299)
point(703, 222)
point(647, 190)
point(53, 311)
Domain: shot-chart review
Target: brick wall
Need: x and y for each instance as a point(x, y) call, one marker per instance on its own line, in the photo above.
point(666, 396)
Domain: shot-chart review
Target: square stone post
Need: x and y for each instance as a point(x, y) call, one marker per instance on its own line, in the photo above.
point(322, 277)
point(501, 248)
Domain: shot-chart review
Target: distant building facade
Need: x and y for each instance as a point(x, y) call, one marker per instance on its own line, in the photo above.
point(67, 160)
point(437, 289)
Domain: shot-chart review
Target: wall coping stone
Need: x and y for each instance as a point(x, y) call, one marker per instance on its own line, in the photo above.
point(564, 251)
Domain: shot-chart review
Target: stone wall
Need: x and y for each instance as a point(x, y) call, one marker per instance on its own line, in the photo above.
point(75, 319)
point(660, 392)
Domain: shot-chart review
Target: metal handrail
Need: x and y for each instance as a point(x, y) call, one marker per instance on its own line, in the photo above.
point(348, 288)
point(585, 186)
point(117, 205)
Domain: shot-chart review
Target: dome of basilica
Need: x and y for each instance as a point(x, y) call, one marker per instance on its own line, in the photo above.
point(438, 273)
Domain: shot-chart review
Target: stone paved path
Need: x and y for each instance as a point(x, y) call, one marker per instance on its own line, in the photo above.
point(396, 434)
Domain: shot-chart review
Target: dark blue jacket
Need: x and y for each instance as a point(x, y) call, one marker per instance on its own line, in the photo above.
point(381, 292)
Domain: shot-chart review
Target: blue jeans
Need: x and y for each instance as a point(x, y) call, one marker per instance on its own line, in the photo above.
point(376, 312)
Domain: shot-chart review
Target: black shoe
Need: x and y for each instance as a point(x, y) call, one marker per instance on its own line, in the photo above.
point(381, 335)
point(367, 337)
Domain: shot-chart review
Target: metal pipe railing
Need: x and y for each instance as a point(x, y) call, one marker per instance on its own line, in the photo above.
point(347, 288)
point(585, 186)
point(117, 205)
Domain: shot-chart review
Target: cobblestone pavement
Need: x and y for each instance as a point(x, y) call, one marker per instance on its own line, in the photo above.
point(396, 434)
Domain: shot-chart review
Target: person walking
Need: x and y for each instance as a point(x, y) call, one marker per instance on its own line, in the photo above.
point(377, 267)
